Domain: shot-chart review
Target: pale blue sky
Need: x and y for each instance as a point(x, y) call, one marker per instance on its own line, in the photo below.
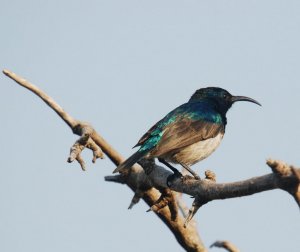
point(122, 65)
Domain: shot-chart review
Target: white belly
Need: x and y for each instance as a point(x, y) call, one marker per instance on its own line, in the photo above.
point(197, 151)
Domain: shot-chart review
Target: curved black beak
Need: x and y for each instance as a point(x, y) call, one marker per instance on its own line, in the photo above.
point(244, 98)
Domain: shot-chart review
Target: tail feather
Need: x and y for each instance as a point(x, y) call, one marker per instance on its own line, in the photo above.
point(129, 162)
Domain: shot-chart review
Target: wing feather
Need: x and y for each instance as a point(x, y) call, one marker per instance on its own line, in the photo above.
point(185, 125)
point(185, 132)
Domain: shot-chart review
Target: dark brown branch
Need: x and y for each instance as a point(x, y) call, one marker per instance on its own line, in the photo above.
point(116, 178)
point(207, 190)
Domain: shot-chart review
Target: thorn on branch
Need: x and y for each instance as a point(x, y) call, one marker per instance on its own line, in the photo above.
point(195, 207)
point(136, 198)
point(226, 245)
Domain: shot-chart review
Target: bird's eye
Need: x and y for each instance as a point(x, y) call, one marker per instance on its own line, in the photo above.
point(224, 95)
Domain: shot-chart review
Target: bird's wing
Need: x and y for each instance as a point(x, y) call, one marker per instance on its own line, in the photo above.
point(184, 132)
point(185, 125)
point(151, 132)
point(157, 129)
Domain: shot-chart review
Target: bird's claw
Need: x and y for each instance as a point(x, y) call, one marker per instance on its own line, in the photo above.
point(197, 177)
point(172, 177)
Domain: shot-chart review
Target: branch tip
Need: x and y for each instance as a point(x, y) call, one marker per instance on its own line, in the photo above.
point(136, 198)
point(5, 71)
point(193, 210)
point(226, 245)
point(115, 178)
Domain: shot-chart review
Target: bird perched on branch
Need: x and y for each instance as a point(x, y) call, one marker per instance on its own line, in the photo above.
point(189, 133)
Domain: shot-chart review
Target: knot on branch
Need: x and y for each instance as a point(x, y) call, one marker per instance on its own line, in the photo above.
point(85, 141)
point(280, 168)
point(198, 202)
point(167, 198)
point(226, 245)
point(288, 177)
point(210, 175)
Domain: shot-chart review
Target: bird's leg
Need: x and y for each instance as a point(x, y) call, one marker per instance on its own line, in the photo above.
point(196, 176)
point(168, 165)
point(176, 174)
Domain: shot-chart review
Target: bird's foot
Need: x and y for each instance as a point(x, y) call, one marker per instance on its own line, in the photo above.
point(171, 178)
point(196, 176)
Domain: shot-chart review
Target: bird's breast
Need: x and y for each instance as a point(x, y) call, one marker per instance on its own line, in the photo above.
point(196, 152)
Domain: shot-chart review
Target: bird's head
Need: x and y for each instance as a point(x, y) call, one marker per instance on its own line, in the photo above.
point(221, 98)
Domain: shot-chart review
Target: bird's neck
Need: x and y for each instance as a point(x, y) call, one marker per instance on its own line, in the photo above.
point(219, 107)
point(222, 110)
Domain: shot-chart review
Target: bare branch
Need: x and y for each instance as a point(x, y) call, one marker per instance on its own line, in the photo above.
point(226, 245)
point(208, 190)
point(47, 99)
point(136, 179)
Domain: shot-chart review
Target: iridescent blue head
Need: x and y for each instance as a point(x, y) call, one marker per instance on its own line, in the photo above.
point(220, 98)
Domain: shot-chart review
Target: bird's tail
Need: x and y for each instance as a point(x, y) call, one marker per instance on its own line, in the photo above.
point(129, 162)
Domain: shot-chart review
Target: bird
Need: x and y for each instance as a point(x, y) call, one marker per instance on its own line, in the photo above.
point(189, 133)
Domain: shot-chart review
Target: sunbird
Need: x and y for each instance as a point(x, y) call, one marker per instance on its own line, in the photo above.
point(189, 133)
